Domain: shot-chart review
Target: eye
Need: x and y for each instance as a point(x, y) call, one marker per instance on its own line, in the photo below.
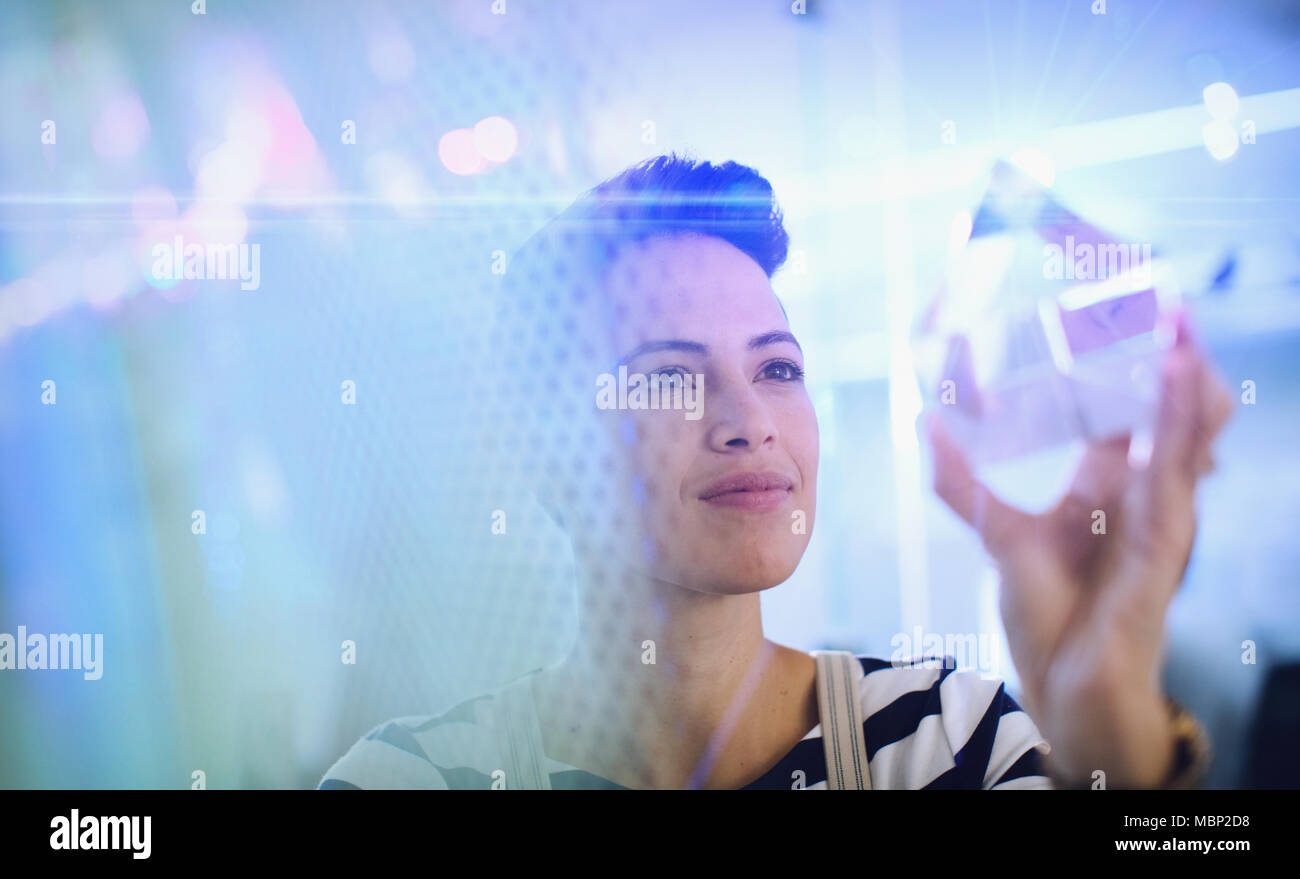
point(782, 371)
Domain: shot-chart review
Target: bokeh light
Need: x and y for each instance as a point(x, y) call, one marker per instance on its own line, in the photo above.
point(1220, 139)
point(1221, 100)
point(459, 152)
point(495, 138)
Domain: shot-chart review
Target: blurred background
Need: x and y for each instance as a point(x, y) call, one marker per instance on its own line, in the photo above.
point(383, 157)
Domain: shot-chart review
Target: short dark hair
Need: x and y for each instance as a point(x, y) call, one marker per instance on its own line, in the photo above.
point(676, 194)
point(563, 265)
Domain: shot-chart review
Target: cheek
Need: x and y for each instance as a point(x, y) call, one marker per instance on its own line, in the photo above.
point(662, 443)
point(802, 438)
point(661, 454)
point(804, 447)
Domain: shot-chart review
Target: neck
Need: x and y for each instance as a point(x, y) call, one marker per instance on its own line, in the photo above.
point(661, 677)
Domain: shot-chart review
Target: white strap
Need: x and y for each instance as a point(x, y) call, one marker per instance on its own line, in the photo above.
point(519, 737)
point(838, 677)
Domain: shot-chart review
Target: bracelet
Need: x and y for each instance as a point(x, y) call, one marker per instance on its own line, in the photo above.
point(1192, 749)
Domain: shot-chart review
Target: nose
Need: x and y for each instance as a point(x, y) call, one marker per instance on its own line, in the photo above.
point(739, 420)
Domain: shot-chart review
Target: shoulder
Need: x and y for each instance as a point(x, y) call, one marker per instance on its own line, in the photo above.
point(452, 750)
point(931, 725)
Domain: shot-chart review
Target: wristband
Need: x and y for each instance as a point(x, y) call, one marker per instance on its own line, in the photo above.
point(1192, 749)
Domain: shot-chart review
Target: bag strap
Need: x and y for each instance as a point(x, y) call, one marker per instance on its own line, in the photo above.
point(519, 737)
point(838, 677)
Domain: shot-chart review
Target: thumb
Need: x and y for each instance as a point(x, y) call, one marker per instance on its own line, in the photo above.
point(1176, 447)
point(1002, 527)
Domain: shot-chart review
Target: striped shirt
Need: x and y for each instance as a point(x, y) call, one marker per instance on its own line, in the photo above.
point(928, 726)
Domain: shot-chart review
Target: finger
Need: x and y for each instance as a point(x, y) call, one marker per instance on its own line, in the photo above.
point(1103, 473)
point(1219, 403)
point(1178, 441)
point(1216, 402)
point(998, 524)
point(1205, 463)
point(1099, 483)
point(1217, 406)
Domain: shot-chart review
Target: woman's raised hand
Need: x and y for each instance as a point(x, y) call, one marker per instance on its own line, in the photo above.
point(1084, 611)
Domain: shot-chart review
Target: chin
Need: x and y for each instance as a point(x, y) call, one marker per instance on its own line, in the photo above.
point(731, 558)
point(734, 583)
point(749, 570)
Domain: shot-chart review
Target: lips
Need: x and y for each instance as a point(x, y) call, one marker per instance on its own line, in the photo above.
point(756, 492)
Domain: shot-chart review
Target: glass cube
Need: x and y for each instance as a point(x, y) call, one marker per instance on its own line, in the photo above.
point(1048, 330)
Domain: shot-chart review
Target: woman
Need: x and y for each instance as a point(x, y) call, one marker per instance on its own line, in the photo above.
point(680, 517)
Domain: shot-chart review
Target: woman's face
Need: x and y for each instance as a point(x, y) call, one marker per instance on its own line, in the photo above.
point(728, 494)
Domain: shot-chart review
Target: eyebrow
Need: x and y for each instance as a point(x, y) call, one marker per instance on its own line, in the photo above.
point(759, 341)
point(773, 338)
